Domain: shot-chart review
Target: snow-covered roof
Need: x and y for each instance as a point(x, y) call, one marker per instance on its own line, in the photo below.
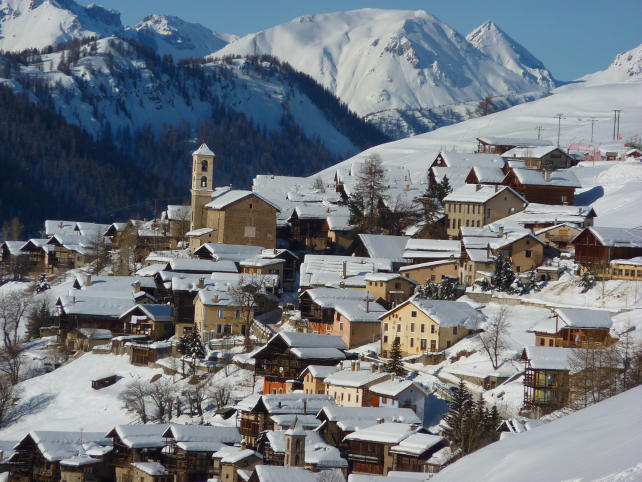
point(232, 454)
point(177, 212)
point(311, 340)
point(548, 358)
point(149, 435)
point(231, 196)
point(94, 306)
point(158, 313)
point(535, 213)
point(431, 248)
point(354, 378)
point(359, 311)
point(488, 175)
point(416, 444)
point(15, 247)
point(203, 150)
point(191, 436)
point(339, 222)
point(58, 445)
point(296, 428)
point(386, 432)
point(637, 261)
point(447, 314)
point(384, 245)
point(317, 451)
point(79, 461)
point(287, 419)
point(57, 226)
point(618, 237)
point(479, 193)
point(96, 333)
point(151, 270)
point(276, 473)
point(260, 262)
point(529, 151)
point(393, 388)
point(328, 297)
point(454, 158)
point(317, 353)
point(388, 277)
point(327, 270)
point(513, 141)
point(283, 403)
point(197, 265)
point(320, 371)
point(585, 318)
point(196, 233)
point(559, 178)
point(349, 419)
point(428, 265)
point(229, 252)
point(151, 468)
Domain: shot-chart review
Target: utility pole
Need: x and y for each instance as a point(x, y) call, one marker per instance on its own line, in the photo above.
point(593, 121)
point(539, 132)
point(616, 123)
point(559, 126)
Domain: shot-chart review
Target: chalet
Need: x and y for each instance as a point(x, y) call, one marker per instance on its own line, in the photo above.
point(478, 205)
point(68, 251)
point(12, 249)
point(256, 411)
point(85, 339)
point(311, 223)
point(542, 157)
point(428, 250)
point(318, 271)
point(350, 387)
point(595, 247)
point(140, 289)
point(421, 325)
point(636, 153)
point(434, 271)
point(339, 228)
point(499, 145)
point(546, 379)
point(45, 455)
point(357, 321)
point(627, 269)
point(574, 328)
point(271, 473)
point(318, 305)
point(217, 314)
point(390, 289)
point(558, 236)
point(229, 460)
point(314, 453)
point(199, 266)
point(286, 354)
point(154, 321)
point(540, 216)
point(35, 249)
point(414, 454)
point(456, 166)
point(79, 311)
point(545, 187)
point(288, 269)
point(397, 393)
point(313, 376)
point(260, 266)
point(136, 443)
point(369, 449)
point(382, 246)
point(190, 449)
point(337, 422)
point(482, 246)
point(144, 352)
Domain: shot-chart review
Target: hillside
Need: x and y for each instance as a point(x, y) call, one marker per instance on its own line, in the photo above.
point(601, 442)
point(405, 71)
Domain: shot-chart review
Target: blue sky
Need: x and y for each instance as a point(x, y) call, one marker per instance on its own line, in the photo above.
point(571, 37)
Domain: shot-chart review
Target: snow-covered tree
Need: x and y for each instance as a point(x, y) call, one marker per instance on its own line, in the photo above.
point(42, 284)
point(494, 337)
point(587, 281)
point(395, 365)
point(428, 291)
point(503, 276)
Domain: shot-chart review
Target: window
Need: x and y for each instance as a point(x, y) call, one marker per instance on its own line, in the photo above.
point(237, 314)
point(412, 327)
point(412, 342)
point(413, 314)
point(385, 327)
point(454, 330)
point(432, 328)
point(550, 342)
point(432, 277)
point(385, 339)
point(488, 212)
point(519, 269)
point(564, 199)
point(250, 205)
point(220, 313)
point(423, 344)
point(338, 316)
point(203, 181)
point(626, 272)
point(340, 326)
point(527, 253)
point(204, 166)
point(384, 399)
point(542, 341)
point(433, 345)
point(348, 397)
point(398, 328)
point(423, 328)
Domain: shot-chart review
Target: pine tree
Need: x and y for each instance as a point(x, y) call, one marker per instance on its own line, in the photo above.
point(196, 348)
point(42, 284)
point(429, 291)
point(587, 281)
point(443, 189)
point(395, 364)
point(458, 408)
point(503, 277)
point(447, 290)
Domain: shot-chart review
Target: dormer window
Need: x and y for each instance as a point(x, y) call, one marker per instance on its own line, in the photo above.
point(204, 166)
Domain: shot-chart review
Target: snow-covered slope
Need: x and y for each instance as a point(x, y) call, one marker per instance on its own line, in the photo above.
point(494, 42)
point(178, 38)
point(28, 24)
point(614, 189)
point(601, 442)
point(388, 65)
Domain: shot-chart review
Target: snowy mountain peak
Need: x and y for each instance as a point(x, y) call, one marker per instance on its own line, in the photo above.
point(181, 39)
point(626, 67)
point(489, 39)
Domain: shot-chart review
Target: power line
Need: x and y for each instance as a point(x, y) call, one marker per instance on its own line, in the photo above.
point(539, 132)
point(616, 123)
point(559, 127)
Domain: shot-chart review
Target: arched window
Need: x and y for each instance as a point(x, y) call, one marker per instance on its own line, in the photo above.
point(203, 181)
point(204, 166)
point(296, 460)
point(298, 444)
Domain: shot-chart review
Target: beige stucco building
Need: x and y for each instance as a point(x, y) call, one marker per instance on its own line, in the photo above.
point(349, 387)
point(390, 288)
point(475, 205)
point(434, 271)
point(422, 325)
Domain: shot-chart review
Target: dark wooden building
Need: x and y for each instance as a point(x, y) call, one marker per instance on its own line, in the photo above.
point(545, 187)
point(596, 247)
point(287, 354)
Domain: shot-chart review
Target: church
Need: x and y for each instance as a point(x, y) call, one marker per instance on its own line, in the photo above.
point(226, 215)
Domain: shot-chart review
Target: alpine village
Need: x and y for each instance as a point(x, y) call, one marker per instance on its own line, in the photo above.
point(447, 299)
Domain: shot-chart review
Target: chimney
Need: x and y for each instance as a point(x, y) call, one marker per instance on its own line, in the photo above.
point(367, 303)
point(137, 286)
point(243, 444)
point(547, 175)
point(500, 231)
point(201, 283)
point(496, 187)
point(380, 368)
point(215, 299)
point(345, 269)
point(358, 365)
point(73, 300)
point(407, 187)
point(352, 365)
point(88, 280)
point(478, 187)
point(279, 403)
point(379, 420)
point(373, 368)
point(305, 407)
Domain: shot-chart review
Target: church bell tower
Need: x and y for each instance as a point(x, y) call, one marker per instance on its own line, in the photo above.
point(202, 189)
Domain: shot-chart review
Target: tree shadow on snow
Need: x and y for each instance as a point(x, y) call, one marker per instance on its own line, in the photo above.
point(31, 406)
point(589, 197)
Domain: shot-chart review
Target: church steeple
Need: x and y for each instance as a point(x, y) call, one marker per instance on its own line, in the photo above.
point(202, 188)
point(295, 445)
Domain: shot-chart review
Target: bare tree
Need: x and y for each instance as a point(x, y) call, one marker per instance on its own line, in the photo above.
point(14, 307)
point(397, 217)
point(247, 294)
point(162, 395)
point(9, 395)
point(220, 394)
point(486, 106)
point(595, 372)
point(318, 184)
point(124, 262)
point(135, 399)
point(196, 396)
point(494, 336)
point(100, 253)
point(369, 191)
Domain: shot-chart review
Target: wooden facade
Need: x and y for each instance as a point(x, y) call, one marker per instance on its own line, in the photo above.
point(591, 252)
point(541, 193)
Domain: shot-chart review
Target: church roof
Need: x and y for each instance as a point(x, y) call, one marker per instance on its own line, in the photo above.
point(203, 151)
point(233, 195)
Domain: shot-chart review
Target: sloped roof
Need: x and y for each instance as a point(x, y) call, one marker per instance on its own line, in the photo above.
point(59, 445)
point(393, 388)
point(202, 433)
point(353, 418)
point(311, 340)
point(95, 306)
point(549, 358)
point(317, 451)
point(203, 150)
point(618, 237)
point(513, 141)
point(447, 314)
point(584, 318)
point(136, 436)
point(530, 151)
point(160, 313)
point(416, 444)
point(478, 193)
point(488, 175)
point(384, 246)
point(354, 378)
point(234, 195)
point(386, 432)
point(559, 178)
point(151, 468)
point(328, 297)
